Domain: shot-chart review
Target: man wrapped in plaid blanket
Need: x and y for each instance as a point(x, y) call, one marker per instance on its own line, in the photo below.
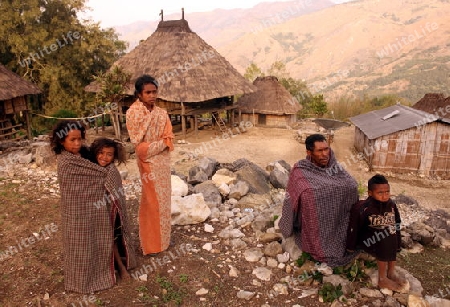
point(316, 209)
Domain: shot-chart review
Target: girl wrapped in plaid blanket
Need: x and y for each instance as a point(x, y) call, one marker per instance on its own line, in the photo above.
point(89, 229)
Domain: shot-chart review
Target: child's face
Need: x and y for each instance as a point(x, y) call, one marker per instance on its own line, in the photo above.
point(105, 156)
point(380, 192)
point(149, 94)
point(72, 142)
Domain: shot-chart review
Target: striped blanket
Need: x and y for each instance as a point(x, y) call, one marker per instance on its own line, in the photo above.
point(88, 231)
point(316, 210)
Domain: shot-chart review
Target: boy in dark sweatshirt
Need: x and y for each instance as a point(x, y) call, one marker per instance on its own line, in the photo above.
point(375, 227)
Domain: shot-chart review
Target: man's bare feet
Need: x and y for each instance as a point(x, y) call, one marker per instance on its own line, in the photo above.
point(389, 284)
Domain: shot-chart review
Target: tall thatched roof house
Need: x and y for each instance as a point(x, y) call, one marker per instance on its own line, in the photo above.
point(271, 105)
point(403, 140)
point(435, 104)
point(194, 78)
point(14, 94)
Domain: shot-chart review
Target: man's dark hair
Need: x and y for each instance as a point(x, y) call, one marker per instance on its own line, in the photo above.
point(310, 140)
point(377, 179)
point(142, 81)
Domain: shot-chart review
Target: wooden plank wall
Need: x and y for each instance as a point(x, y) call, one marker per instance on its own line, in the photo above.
point(424, 150)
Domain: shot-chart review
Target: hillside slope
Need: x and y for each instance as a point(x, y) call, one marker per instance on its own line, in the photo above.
point(363, 47)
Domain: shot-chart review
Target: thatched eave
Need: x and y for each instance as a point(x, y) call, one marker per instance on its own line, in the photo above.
point(12, 85)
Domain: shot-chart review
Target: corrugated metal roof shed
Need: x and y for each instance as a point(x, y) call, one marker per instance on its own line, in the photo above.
point(373, 125)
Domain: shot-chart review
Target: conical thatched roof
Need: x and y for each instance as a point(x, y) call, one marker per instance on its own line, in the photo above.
point(187, 68)
point(12, 85)
point(435, 104)
point(270, 98)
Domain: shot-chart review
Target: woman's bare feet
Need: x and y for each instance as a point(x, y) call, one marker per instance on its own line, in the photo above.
point(389, 284)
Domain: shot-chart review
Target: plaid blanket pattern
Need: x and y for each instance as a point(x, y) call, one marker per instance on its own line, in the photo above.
point(316, 210)
point(87, 229)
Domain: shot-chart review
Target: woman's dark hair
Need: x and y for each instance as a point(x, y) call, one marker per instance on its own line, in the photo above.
point(142, 81)
point(376, 179)
point(60, 132)
point(100, 143)
point(310, 140)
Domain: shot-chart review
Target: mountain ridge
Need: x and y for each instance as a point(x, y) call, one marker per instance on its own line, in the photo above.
point(348, 50)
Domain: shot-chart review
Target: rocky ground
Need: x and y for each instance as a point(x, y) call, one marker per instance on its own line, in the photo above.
point(228, 250)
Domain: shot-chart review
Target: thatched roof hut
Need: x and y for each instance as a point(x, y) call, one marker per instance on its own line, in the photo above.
point(435, 104)
point(186, 67)
point(14, 92)
point(270, 105)
point(192, 75)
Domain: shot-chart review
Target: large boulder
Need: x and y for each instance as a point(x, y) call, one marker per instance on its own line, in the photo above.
point(279, 176)
point(223, 176)
point(179, 187)
point(210, 192)
point(257, 181)
point(190, 209)
point(197, 175)
point(208, 165)
point(238, 190)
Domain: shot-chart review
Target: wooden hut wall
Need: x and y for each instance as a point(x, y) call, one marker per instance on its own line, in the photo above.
point(424, 149)
point(248, 117)
point(269, 120)
point(278, 120)
point(440, 165)
point(399, 152)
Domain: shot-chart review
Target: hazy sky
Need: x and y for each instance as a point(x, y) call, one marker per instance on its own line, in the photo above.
point(120, 12)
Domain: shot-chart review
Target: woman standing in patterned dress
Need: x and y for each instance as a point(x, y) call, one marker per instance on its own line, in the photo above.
point(150, 131)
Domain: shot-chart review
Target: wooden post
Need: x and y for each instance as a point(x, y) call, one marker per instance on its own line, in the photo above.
point(183, 121)
point(28, 121)
point(195, 125)
point(191, 122)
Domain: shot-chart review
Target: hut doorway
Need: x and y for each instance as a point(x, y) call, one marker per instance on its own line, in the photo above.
point(262, 119)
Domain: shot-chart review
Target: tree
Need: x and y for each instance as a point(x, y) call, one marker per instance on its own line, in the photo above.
point(318, 105)
point(296, 88)
point(114, 85)
point(252, 72)
point(46, 43)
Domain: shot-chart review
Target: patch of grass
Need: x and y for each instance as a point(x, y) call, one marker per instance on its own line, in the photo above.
point(353, 271)
point(303, 258)
point(170, 294)
point(143, 294)
point(184, 278)
point(330, 293)
point(362, 189)
point(431, 267)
